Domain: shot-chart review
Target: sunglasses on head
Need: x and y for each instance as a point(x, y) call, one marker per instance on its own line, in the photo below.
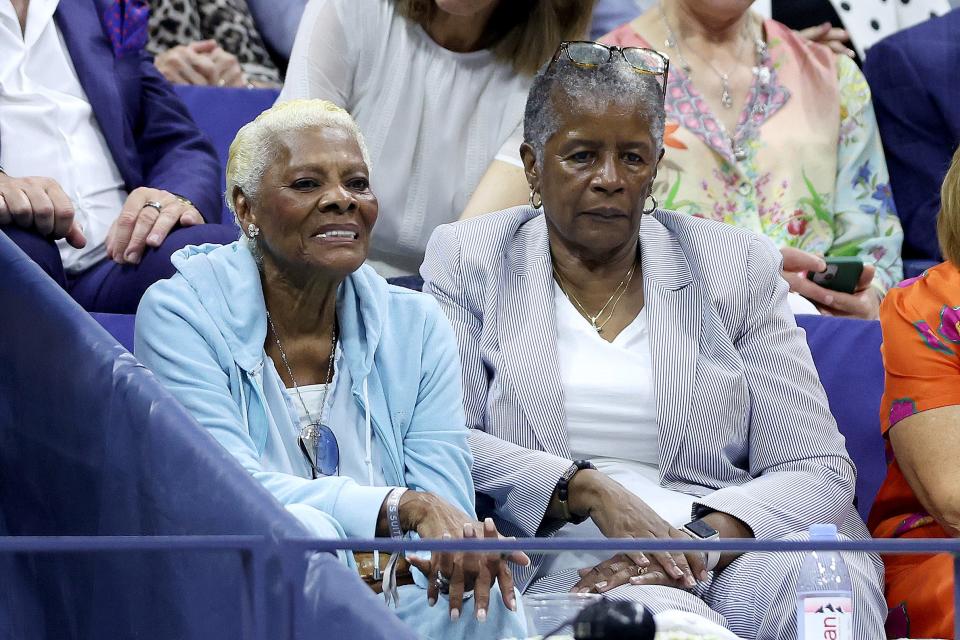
point(593, 54)
point(319, 444)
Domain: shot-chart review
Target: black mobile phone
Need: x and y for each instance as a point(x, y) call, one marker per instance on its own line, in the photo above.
point(842, 274)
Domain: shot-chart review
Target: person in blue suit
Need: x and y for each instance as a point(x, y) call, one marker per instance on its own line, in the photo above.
point(918, 111)
point(102, 172)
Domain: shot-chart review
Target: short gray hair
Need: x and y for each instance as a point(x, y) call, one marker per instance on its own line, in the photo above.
point(612, 82)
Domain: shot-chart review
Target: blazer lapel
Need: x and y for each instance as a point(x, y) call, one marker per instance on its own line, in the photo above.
point(527, 332)
point(674, 307)
point(93, 59)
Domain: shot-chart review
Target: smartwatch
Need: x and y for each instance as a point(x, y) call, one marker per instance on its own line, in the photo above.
point(563, 490)
point(700, 530)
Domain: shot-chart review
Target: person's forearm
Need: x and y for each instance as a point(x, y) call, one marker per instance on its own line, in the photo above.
point(582, 494)
point(728, 527)
point(410, 509)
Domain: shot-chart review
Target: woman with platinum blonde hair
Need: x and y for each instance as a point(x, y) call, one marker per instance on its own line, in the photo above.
point(337, 391)
point(634, 372)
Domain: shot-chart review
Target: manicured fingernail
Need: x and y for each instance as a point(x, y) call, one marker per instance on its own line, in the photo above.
point(636, 580)
point(828, 300)
point(704, 576)
point(132, 257)
point(482, 615)
point(676, 572)
point(153, 239)
point(689, 581)
point(468, 529)
point(513, 604)
point(454, 614)
point(601, 585)
point(431, 601)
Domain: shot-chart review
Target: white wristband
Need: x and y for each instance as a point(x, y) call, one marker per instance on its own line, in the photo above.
point(393, 512)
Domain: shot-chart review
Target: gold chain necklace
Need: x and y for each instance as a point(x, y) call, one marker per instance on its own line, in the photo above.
point(614, 298)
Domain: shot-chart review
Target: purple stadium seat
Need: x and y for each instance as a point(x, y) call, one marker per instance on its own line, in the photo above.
point(847, 355)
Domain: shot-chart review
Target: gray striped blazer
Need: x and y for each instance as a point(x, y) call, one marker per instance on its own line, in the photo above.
point(743, 420)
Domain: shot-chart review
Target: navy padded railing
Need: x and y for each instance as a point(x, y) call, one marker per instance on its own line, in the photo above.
point(296, 553)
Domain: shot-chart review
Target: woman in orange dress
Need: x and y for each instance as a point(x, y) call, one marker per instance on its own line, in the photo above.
point(920, 416)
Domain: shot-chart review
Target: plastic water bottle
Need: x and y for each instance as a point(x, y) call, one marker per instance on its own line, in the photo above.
point(824, 594)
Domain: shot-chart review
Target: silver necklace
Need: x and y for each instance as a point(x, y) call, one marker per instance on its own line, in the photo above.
point(757, 105)
point(313, 426)
point(673, 42)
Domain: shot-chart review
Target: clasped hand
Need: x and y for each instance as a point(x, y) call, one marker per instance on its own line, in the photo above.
point(618, 513)
point(203, 62)
point(433, 518)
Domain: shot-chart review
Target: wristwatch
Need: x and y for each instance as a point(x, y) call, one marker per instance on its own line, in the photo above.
point(563, 490)
point(700, 530)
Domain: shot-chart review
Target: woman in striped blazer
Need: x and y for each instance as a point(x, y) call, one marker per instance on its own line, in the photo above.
point(627, 370)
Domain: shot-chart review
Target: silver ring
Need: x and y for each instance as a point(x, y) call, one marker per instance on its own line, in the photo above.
point(153, 203)
point(442, 583)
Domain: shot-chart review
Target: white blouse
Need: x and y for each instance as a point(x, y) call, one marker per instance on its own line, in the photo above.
point(433, 119)
point(611, 420)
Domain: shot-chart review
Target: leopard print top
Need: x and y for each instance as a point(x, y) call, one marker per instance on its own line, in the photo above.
point(229, 22)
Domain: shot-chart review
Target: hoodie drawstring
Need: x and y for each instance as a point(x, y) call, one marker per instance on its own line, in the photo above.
point(390, 592)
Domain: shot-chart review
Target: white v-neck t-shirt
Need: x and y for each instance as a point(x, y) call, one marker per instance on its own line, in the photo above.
point(611, 419)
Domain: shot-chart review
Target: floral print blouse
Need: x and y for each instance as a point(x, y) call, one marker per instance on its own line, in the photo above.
point(921, 357)
point(805, 166)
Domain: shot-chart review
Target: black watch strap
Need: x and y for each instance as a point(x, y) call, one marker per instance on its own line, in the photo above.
point(563, 490)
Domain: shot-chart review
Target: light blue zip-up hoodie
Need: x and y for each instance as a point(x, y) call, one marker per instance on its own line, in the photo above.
point(202, 332)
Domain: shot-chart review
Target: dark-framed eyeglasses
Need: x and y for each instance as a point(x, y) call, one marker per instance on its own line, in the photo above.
point(319, 444)
point(593, 54)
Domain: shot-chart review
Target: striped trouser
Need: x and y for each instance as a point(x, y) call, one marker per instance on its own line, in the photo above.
point(754, 596)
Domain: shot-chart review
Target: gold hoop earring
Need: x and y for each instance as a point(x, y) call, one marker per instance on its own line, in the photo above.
point(538, 202)
point(653, 208)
